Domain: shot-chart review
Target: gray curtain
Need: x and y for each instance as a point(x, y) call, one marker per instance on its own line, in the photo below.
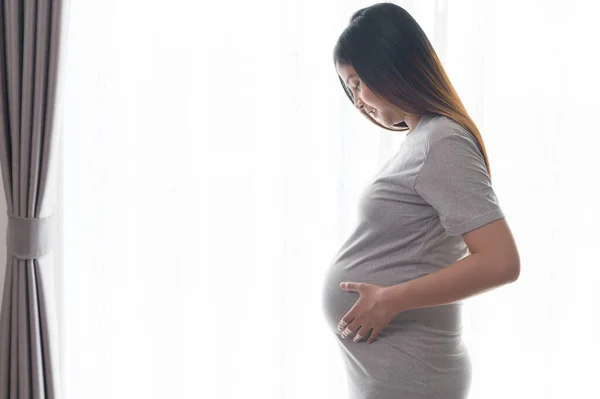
point(29, 54)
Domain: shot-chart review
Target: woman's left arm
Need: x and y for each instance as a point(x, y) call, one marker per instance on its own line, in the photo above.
point(494, 261)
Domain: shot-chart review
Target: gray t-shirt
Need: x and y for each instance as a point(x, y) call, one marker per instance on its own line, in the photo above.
point(410, 221)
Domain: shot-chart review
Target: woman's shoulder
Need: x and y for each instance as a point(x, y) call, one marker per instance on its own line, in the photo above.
point(447, 135)
point(441, 126)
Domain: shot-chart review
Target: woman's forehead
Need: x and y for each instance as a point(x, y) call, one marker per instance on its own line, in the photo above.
point(346, 71)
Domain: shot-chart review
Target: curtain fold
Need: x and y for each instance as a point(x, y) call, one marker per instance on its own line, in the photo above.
point(30, 37)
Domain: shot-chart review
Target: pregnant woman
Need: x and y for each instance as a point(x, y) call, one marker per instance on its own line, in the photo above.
point(430, 229)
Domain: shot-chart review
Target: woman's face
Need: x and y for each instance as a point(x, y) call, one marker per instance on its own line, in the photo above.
point(364, 98)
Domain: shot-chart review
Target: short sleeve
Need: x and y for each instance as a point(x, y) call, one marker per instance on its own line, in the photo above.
point(454, 180)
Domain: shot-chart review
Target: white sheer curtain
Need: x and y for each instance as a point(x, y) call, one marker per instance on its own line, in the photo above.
point(211, 167)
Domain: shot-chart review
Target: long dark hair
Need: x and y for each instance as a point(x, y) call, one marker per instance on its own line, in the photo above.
point(392, 56)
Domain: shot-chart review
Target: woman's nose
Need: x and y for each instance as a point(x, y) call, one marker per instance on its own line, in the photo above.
point(359, 104)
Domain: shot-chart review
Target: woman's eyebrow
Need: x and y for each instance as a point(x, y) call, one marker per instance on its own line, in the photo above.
point(351, 76)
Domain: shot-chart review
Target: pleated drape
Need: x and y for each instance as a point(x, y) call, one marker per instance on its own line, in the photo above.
point(30, 32)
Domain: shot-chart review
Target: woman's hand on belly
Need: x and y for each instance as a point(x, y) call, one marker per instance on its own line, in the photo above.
point(369, 312)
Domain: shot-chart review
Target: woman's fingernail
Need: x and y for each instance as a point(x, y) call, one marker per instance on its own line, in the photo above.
point(346, 332)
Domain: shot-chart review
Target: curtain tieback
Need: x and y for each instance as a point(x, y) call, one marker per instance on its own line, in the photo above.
point(30, 238)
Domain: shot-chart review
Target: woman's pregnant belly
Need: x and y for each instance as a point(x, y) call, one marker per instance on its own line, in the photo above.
point(418, 354)
point(336, 302)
